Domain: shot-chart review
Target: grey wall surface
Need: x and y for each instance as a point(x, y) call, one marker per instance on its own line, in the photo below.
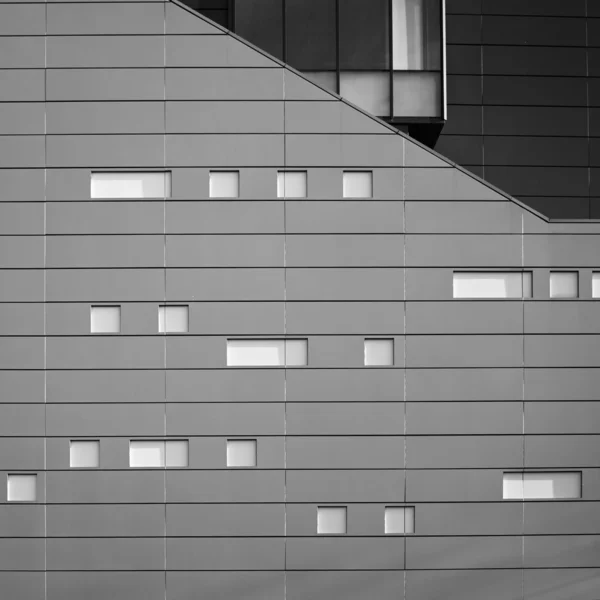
point(476, 387)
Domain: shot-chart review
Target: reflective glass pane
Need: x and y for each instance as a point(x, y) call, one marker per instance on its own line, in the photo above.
point(241, 453)
point(261, 23)
point(417, 94)
point(21, 488)
point(84, 454)
point(564, 284)
point(331, 519)
point(326, 79)
point(364, 35)
point(310, 33)
point(368, 90)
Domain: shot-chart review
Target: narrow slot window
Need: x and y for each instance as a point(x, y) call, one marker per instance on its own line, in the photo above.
point(492, 284)
point(543, 485)
point(131, 185)
point(267, 353)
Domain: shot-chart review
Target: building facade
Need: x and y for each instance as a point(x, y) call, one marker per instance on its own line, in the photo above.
point(257, 343)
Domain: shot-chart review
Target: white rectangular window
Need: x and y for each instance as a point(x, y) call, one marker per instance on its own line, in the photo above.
point(267, 353)
point(564, 284)
point(84, 454)
point(241, 453)
point(158, 453)
point(105, 319)
point(331, 520)
point(542, 485)
point(173, 319)
point(399, 519)
point(493, 284)
point(224, 184)
point(21, 487)
point(595, 285)
point(379, 352)
point(131, 185)
point(358, 184)
point(291, 184)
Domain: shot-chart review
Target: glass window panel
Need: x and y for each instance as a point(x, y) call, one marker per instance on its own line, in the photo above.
point(177, 453)
point(241, 453)
point(310, 32)
point(595, 285)
point(369, 91)
point(131, 185)
point(173, 319)
point(224, 184)
point(21, 487)
point(296, 353)
point(331, 519)
point(84, 454)
point(494, 284)
point(379, 352)
point(512, 486)
point(394, 519)
point(416, 35)
point(325, 79)
point(261, 23)
point(105, 319)
point(358, 184)
point(257, 353)
point(291, 184)
point(564, 284)
point(417, 94)
point(551, 485)
point(364, 35)
point(147, 453)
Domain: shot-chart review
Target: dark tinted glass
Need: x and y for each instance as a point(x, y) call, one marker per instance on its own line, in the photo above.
point(311, 34)
point(364, 34)
point(261, 23)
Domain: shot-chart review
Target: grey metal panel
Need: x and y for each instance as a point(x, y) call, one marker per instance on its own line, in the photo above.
point(18, 252)
point(344, 217)
point(360, 385)
point(21, 453)
point(464, 384)
point(21, 218)
point(22, 353)
point(98, 151)
point(339, 553)
point(543, 518)
point(225, 418)
point(225, 217)
point(194, 352)
point(344, 486)
point(22, 554)
point(104, 117)
point(364, 452)
point(212, 51)
point(464, 418)
point(459, 485)
point(561, 551)
point(68, 184)
point(105, 84)
point(105, 19)
point(225, 520)
point(252, 586)
point(224, 84)
point(24, 585)
point(22, 150)
point(109, 51)
point(299, 88)
point(225, 554)
point(21, 521)
point(562, 417)
point(561, 451)
point(225, 284)
point(464, 552)
point(219, 117)
point(21, 118)
point(224, 150)
point(345, 418)
point(22, 52)
point(105, 554)
point(562, 317)
point(562, 350)
point(21, 319)
point(429, 284)
point(210, 452)
point(23, 419)
point(105, 386)
point(235, 485)
point(95, 487)
point(455, 452)
point(345, 250)
point(267, 385)
point(491, 584)
point(22, 386)
point(98, 585)
point(561, 250)
point(21, 85)
point(464, 351)
point(383, 318)
point(555, 584)
point(100, 419)
point(237, 318)
point(345, 284)
point(225, 251)
point(105, 285)
point(22, 185)
point(562, 384)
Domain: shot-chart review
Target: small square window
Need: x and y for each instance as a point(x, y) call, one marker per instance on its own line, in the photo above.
point(399, 519)
point(173, 319)
point(177, 453)
point(105, 319)
point(131, 185)
point(331, 520)
point(21, 487)
point(564, 284)
point(241, 453)
point(84, 454)
point(296, 353)
point(379, 352)
point(224, 184)
point(358, 184)
point(291, 184)
point(267, 353)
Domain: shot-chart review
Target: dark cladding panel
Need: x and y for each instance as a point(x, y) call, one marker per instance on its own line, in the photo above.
point(261, 23)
